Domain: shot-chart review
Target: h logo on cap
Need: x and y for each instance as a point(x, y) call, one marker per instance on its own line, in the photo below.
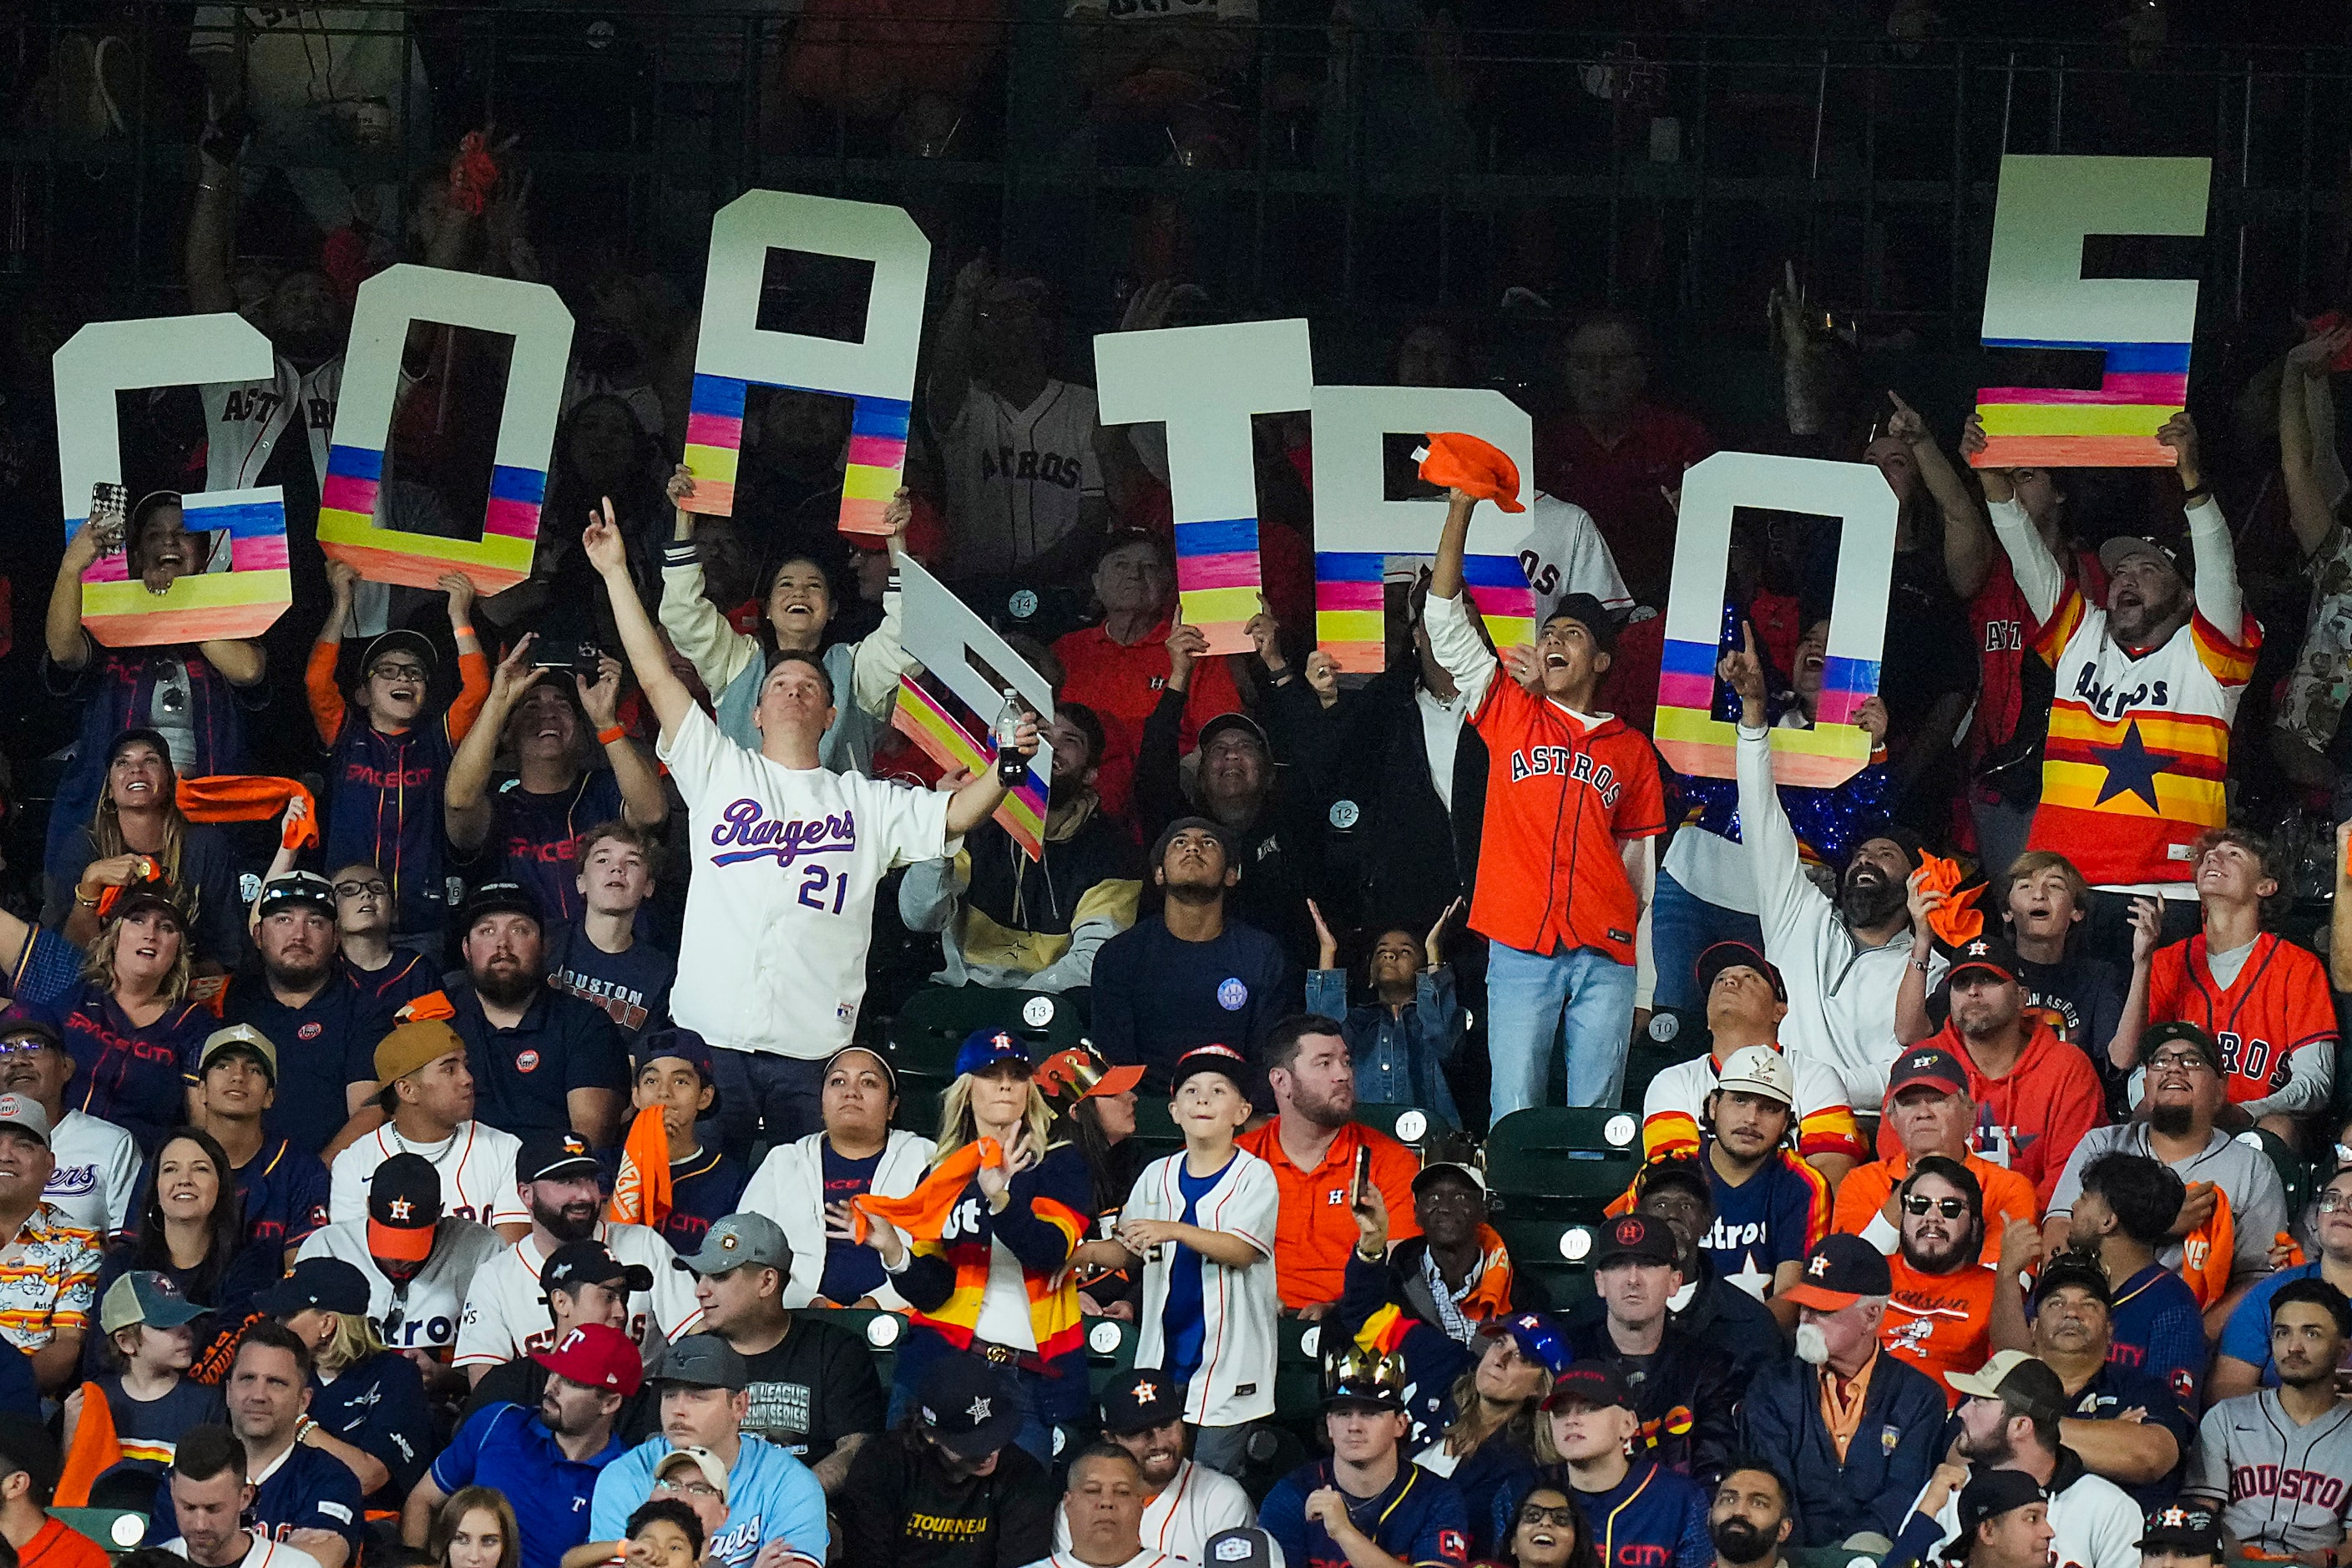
point(1629, 1230)
point(1819, 1265)
point(1978, 949)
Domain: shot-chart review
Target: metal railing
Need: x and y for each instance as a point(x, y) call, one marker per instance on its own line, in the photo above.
point(1382, 172)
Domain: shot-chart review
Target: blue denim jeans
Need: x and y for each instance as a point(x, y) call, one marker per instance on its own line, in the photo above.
point(1528, 997)
point(1682, 926)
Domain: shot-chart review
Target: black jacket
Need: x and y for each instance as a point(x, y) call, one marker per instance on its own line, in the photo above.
point(1718, 1313)
point(1684, 1396)
point(899, 1509)
point(1890, 1458)
point(1407, 853)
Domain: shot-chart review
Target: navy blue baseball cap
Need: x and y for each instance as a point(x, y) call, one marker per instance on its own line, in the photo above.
point(684, 1044)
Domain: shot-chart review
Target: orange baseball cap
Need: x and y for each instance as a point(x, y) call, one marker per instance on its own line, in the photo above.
point(1465, 463)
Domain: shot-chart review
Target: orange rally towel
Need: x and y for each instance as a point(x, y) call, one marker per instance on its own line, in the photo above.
point(1460, 462)
point(1956, 920)
point(432, 1005)
point(2208, 1253)
point(96, 1449)
point(250, 797)
point(923, 1213)
point(641, 1190)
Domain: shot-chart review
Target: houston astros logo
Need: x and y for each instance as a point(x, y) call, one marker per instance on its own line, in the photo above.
point(1629, 1231)
point(1978, 949)
point(402, 1208)
point(1818, 1266)
point(1147, 1391)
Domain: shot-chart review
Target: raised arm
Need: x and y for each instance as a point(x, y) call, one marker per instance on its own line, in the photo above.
point(1969, 544)
point(61, 630)
point(2040, 578)
point(2219, 599)
point(465, 795)
point(1451, 639)
point(212, 218)
point(952, 345)
point(880, 657)
point(2307, 507)
point(643, 804)
point(717, 650)
point(972, 802)
point(610, 558)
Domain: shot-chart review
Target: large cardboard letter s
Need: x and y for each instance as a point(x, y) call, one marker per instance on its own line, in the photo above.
point(2037, 298)
point(1356, 527)
point(734, 355)
point(943, 633)
point(108, 357)
point(387, 303)
point(1690, 739)
point(1205, 383)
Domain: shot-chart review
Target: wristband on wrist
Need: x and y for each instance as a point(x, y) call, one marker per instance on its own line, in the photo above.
point(610, 733)
point(680, 552)
point(2196, 493)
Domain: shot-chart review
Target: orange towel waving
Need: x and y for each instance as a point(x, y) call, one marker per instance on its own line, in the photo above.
point(96, 1449)
point(2209, 1252)
point(923, 1213)
point(1956, 920)
point(1465, 463)
point(250, 797)
point(641, 1190)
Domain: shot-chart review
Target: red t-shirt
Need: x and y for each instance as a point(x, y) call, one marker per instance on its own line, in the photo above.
point(1620, 486)
point(2005, 632)
point(1560, 793)
point(2031, 1118)
point(2279, 1003)
point(1122, 685)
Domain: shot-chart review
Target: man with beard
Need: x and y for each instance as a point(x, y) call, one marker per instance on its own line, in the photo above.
point(1753, 1514)
point(1684, 1391)
point(281, 1191)
point(2127, 1203)
point(97, 1163)
point(1708, 1308)
point(1928, 1106)
point(418, 1264)
point(546, 1460)
point(1859, 1430)
point(1191, 976)
point(534, 821)
point(1770, 1206)
point(2147, 689)
point(1312, 1144)
point(324, 1027)
point(542, 1061)
point(1842, 958)
point(2008, 1420)
point(1940, 1313)
point(1032, 925)
point(1143, 1413)
point(2036, 1096)
point(2243, 1364)
point(2278, 1460)
point(1746, 1000)
point(506, 1309)
point(2143, 1453)
point(2233, 1205)
point(1566, 858)
point(428, 1092)
point(2260, 995)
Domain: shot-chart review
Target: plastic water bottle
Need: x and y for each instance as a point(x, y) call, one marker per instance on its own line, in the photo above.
point(1012, 767)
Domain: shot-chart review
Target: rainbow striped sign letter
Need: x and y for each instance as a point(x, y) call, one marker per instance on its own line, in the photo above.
point(1206, 383)
point(2037, 298)
point(108, 357)
point(542, 329)
point(735, 354)
point(1689, 735)
point(953, 645)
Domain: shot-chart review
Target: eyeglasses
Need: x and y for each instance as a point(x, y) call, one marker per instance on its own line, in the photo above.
point(1951, 1208)
point(378, 886)
point(398, 672)
point(1535, 1513)
point(24, 1046)
point(2331, 1201)
point(2179, 1061)
point(692, 1487)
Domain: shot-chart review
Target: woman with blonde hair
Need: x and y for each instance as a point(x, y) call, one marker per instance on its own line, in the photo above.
point(138, 819)
point(996, 1224)
point(475, 1529)
point(367, 1402)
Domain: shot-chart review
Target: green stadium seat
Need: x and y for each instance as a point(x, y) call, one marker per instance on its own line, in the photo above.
point(1556, 1252)
point(2294, 1172)
point(919, 1104)
point(1155, 1132)
point(1298, 1369)
point(1686, 1039)
point(924, 1037)
point(1550, 1161)
point(1110, 1351)
point(1416, 1128)
point(882, 1332)
point(117, 1530)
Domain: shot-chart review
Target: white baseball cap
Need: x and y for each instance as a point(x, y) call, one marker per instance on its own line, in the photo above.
point(1760, 1070)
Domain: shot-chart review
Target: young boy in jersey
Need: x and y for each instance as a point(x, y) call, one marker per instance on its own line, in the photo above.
point(145, 1394)
point(601, 958)
point(389, 760)
point(1202, 1224)
point(2264, 1000)
point(1572, 802)
point(672, 1069)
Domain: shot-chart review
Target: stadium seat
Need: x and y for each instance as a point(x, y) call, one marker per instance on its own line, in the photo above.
point(1110, 1350)
point(918, 1105)
point(1555, 1252)
point(1550, 1161)
point(1155, 1131)
point(929, 1030)
point(1298, 1369)
point(881, 1331)
point(1411, 1125)
point(1676, 1035)
point(2294, 1173)
point(117, 1530)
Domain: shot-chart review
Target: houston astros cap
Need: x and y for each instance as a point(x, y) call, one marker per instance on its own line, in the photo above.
point(403, 1207)
point(1587, 612)
point(1539, 1336)
point(1139, 1401)
point(143, 1296)
point(1840, 1270)
point(240, 1039)
point(966, 1409)
point(1939, 1070)
point(1596, 1382)
point(1643, 1238)
point(2075, 1271)
point(291, 887)
point(2182, 1529)
point(499, 898)
point(552, 1156)
point(1214, 1058)
point(2026, 1385)
point(1245, 1546)
point(2187, 1033)
point(596, 1355)
point(578, 1263)
point(986, 1048)
point(736, 1240)
point(1761, 1070)
point(329, 1284)
point(1989, 955)
point(684, 1044)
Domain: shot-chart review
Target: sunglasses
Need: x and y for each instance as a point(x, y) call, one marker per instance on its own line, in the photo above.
point(1951, 1208)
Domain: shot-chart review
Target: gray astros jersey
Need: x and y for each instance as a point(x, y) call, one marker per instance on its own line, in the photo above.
point(425, 1315)
point(2287, 1488)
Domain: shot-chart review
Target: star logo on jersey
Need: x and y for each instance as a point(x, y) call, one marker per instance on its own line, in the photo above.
point(978, 1410)
point(2131, 769)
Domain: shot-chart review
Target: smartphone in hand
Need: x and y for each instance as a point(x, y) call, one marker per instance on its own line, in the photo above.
point(1360, 1192)
point(110, 508)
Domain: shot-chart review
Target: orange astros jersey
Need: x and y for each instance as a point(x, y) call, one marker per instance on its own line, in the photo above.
point(2279, 1003)
point(2138, 745)
point(1940, 1322)
point(1560, 792)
